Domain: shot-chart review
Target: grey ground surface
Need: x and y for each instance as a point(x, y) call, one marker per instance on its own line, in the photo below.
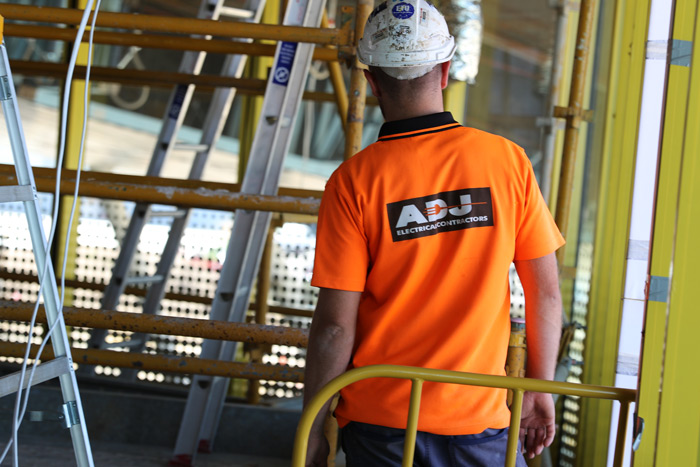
point(35, 452)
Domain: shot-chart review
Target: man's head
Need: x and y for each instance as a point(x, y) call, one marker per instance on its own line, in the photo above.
point(406, 39)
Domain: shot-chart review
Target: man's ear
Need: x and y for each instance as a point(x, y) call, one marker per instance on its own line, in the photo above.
point(445, 73)
point(372, 80)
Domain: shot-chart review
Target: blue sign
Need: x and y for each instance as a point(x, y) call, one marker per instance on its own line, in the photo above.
point(176, 106)
point(402, 10)
point(285, 60)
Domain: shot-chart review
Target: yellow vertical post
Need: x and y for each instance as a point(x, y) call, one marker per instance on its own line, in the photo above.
point(574, 117)
point(455, 97)
point(409, 444)
point(568, 160)
point(663, 235)
point(618, 148)
point(358, 87)
point(517, 352)
point(261, 309)
point(516, 410)
point(251, 106)
point(565, 77)
point(336, 75)
point(678, 431)
point(74, 129)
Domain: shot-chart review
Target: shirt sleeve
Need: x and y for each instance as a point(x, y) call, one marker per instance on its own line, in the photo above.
point(342, 259)
point(538, 234)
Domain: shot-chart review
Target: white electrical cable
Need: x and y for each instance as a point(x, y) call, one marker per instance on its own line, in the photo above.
point(17, 417)
point(73, 206)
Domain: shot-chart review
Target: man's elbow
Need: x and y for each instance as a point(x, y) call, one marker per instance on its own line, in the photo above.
point(332, 335)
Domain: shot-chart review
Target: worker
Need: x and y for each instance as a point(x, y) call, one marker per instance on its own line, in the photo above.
point(416, 235)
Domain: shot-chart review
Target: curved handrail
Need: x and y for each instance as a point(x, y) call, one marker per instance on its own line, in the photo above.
point(419, 375)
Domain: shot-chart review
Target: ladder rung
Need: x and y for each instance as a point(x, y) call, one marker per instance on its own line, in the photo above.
point(44, 372)
point(232, 12)
point(190, 147)
point(140, 280)
point(175, 213)
point(9, 194)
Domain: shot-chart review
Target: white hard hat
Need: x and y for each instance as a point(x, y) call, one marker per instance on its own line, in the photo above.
point(405, 34)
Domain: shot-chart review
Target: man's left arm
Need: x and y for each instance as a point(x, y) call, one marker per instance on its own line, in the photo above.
point(540, 281)
point(331, 340)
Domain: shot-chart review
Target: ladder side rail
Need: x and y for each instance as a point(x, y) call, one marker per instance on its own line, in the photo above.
point(59, 339)
point(181, 96)
point(253, 225)
point(215, 119)
point(213, 126)
point(207, 394)
point(203, 387)
point(176, 109)
point(260, 225)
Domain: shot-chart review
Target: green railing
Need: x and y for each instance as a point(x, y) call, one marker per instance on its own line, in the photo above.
point(420, 375)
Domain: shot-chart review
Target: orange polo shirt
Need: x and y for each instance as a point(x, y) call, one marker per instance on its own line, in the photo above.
point(426, 223)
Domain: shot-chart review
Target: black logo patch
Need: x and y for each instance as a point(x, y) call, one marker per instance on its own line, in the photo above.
point(442, 212)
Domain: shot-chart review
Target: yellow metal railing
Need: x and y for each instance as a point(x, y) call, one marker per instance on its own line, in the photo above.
point(420, 375)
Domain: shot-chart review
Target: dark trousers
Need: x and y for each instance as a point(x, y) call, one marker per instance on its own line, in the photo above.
point(377, 446)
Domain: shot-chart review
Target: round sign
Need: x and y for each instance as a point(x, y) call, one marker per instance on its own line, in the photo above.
point(402, 10)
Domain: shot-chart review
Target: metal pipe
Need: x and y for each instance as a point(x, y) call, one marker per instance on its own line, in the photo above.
point(358, 87)
point(562, 11)
point(573, 118)
point(183, 193)
point(516, 410)
point(166, 363)
point(336, 74)
point(162, 79)
point(261, 308)
point(158, 41)
point(176, 25)
point(443, 376)
point(168, 325)
point(517, 353)
point(140, 292)
point(409, 444)
point(621, 434)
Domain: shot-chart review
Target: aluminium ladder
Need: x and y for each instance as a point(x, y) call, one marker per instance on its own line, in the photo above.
point(271, 142)
point(213, 126)
point(61, 366)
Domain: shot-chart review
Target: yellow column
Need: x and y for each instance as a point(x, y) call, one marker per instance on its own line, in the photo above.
point(358, 87)
point(74, 129)
point(678, 433)
point(624, 85)
point(663, 236)
point(455, 98)
point(256, 67)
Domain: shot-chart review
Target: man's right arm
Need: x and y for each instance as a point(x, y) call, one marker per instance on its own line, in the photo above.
point(539, 278)
point(331, 340)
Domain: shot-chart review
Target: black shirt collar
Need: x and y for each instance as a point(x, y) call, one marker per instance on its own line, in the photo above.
point(416, 124)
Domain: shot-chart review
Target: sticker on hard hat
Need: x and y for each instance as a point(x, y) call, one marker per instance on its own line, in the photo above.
point(402, 10)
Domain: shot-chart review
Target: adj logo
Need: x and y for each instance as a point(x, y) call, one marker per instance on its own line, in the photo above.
point(442, 212)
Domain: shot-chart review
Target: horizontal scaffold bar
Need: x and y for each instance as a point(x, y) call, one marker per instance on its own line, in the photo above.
point(178, 25)
point(163, 79)
point(165, 363)
point(168, 191)
point(169, 325)
point(141, 292)
point(158, 41)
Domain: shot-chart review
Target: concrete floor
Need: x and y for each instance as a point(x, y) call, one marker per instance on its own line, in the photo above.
point(37, 452)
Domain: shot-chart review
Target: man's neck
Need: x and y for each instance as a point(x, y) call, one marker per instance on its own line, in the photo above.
point(397, 112)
